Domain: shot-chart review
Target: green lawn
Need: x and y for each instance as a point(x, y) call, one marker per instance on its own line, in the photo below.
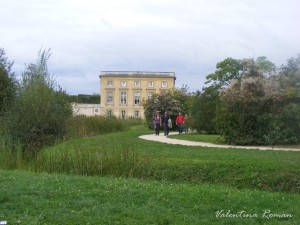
point(210, 138)
point(215, 139)
point(133, 181)
point(40, 198)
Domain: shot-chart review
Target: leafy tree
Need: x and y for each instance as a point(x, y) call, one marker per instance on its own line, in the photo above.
point(8, 82)
point(234, 69)
point(248, 110)
point(226, 71)
point(88, 99)
point(290, 77)
point(203, 110)
point(40, 111)
point(205, 103)
point(258, 110)
point(266, 66)
point(174, 101)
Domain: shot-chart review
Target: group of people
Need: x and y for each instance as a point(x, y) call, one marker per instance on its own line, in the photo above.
point(166, 122)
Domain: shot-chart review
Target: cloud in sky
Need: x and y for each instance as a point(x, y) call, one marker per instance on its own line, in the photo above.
point(186, 37)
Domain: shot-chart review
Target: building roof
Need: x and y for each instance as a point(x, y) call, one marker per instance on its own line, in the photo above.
point(136, 74)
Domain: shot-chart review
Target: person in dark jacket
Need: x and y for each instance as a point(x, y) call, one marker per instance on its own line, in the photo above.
point(157, 124)
point(165, 119)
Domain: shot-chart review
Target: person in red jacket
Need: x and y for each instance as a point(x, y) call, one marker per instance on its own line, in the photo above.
point(180, 122)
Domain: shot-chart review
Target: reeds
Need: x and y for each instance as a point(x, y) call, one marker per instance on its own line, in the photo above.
point(104, 161)
point(81, 126)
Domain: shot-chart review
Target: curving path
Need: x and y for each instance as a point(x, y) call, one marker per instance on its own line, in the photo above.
point(163, 139)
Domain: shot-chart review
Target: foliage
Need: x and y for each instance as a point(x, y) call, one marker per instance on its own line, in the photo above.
point(88, 99)
point(173, 101)
point(254, 111)
point(290, 77)
point(226, 71)
point(205, 103)
point(203, 110)
point(248, 102)
point(41, 108)
point(8, 83)
point(82, 126)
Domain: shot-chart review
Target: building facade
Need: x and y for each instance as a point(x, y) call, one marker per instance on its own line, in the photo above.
point(122, 92)
point(82, 109)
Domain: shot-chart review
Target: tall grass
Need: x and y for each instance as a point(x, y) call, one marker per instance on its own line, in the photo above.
point(105, 161)
point(123, 154)
point(82, 126)
point(76, 160)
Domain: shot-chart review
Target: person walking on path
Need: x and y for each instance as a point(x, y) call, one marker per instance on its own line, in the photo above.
point(180, 122)
point(157, 123)
point(165, 120)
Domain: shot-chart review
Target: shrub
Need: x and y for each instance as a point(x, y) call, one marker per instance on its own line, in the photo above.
point(254, 111)
point(38, 116)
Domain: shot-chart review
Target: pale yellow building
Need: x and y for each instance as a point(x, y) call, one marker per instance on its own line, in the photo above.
point(122, 92)
point(82, 109)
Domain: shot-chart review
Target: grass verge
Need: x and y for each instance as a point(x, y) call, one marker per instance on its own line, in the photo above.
point(30, 198)
point(123, 154)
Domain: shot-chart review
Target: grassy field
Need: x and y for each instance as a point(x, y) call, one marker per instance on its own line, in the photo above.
point(133, 181)
point(40, 198)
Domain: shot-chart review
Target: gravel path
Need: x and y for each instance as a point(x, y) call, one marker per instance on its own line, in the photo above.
point(164, 139)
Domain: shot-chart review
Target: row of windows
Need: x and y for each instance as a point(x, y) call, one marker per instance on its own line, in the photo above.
point(150, 84)
point(123, 97)
point(123, 114)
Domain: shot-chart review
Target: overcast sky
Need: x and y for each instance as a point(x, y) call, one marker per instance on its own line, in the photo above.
point(188, 37)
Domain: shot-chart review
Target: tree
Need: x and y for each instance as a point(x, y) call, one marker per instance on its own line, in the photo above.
point(203, 110)
point(226, 71)
point(8, 83)
point(234, 69)
point(41, 108)
point(290, 77)
point(252, 113)
point(173, 102)
point(204, 106)
point(266, 66)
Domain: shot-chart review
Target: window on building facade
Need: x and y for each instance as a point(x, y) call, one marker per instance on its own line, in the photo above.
point(149, 95)
point(123, 83)
point(109, 113)
point(137, 98)
point(164, 84)
point(137, 83)
point(110, 83)
point(109, 97)
point(123, 97)
point(150, 84)
point(123, 114)
point(136, 114)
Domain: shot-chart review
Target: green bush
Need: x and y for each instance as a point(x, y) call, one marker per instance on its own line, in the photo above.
point(255, 112)
point(38, 116)
point(173, 101)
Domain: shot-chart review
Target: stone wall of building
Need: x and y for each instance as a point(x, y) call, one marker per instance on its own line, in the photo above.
point(122, 92)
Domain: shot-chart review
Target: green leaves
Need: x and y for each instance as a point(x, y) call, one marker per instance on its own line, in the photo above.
point(174, 101)
point(7, 83)
point(41, 108)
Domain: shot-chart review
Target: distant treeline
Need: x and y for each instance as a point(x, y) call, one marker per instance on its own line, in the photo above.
point(81, 98)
